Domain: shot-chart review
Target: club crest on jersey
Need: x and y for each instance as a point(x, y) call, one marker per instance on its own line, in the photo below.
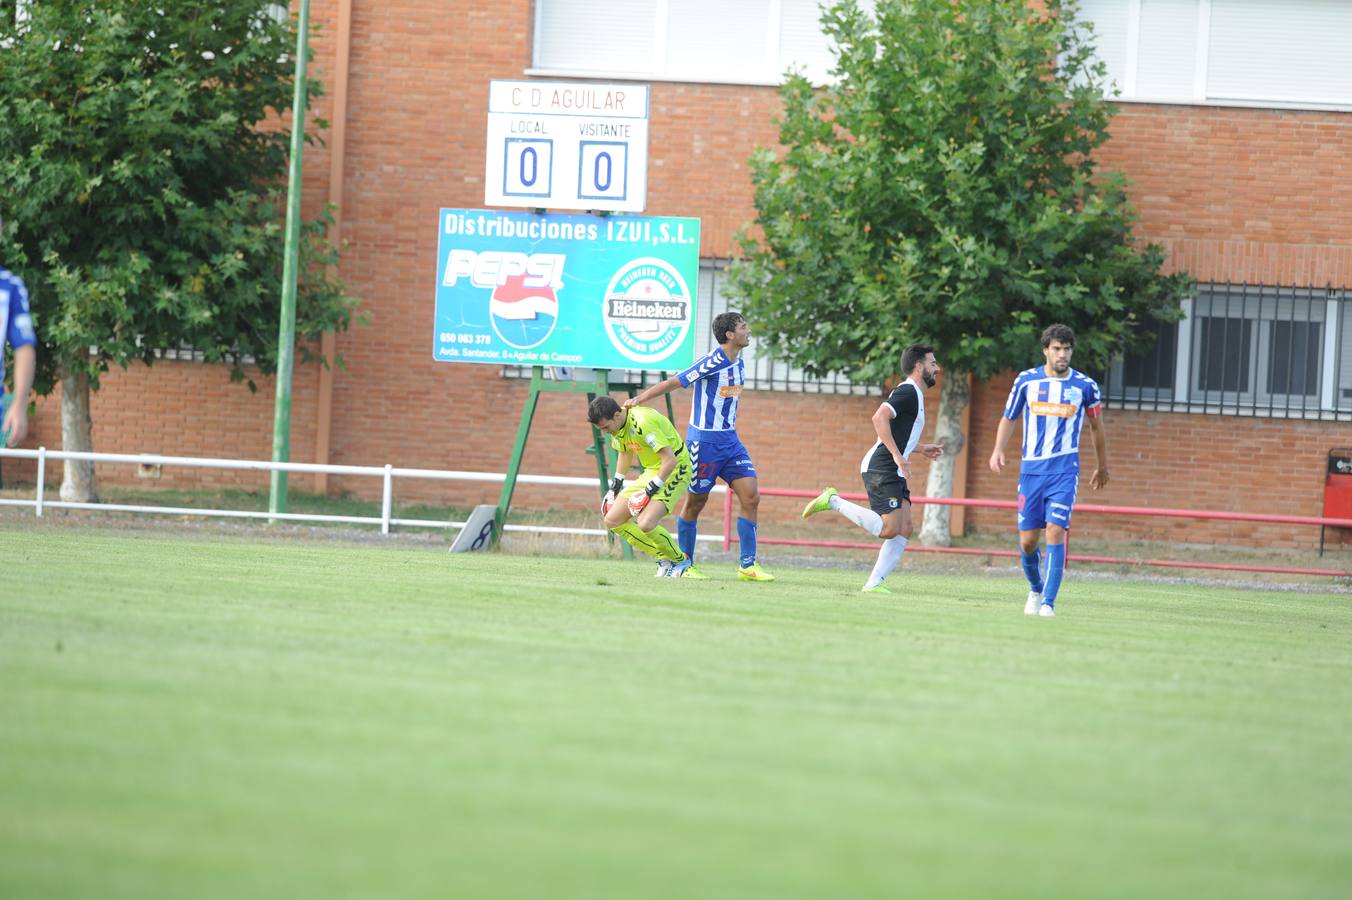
point(648, 310)
point(1072, 395)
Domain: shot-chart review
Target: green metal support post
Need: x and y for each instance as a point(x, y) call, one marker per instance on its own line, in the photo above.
point(286, 337)
point(538, 385)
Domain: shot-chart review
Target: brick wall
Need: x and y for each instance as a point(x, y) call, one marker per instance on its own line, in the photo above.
point(1233, 194)
point(1241, 195)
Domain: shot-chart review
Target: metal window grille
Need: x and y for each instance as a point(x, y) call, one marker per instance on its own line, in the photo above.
point(1246, 350)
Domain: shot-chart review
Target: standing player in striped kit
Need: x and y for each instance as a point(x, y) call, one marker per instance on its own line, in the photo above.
point(715, 449)
point(1053, 401)
point(885, 469)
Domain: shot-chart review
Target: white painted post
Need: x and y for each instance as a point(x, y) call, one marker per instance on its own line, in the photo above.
point(386, 500)
point(42, 478)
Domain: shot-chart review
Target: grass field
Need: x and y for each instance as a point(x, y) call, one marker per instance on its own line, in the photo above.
point(224, 716)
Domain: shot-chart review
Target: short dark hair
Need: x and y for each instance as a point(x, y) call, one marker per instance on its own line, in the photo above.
point(913, 356)
point(1060, 333)
point(725, 322)
point(602, 409)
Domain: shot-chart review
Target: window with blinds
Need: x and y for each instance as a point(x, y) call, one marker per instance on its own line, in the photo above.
point(1256, 350)
point(1241, 52)
point(747, 42)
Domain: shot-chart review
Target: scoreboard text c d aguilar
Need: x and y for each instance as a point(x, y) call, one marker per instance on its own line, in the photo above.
point(567, 145)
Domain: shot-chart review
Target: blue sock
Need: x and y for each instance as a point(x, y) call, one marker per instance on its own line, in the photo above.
point(746, 536)
point(1056, 567)
point(1032, 570)
point(685, 535)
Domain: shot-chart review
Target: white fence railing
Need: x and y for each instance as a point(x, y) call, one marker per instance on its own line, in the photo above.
point(386, 474)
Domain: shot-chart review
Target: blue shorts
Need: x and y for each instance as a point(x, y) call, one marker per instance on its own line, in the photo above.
point(715, 455)
point(1046, 498)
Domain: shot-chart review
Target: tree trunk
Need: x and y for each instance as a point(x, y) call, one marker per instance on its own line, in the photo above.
point(77, 427)
point(954, 394)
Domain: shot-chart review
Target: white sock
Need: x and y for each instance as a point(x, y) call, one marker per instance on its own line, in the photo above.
point(889, 554)
point(866, 519)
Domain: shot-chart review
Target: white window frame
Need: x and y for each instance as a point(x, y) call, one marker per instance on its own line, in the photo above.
point(1255, 398)
point(658, 66)
point(1125, 90)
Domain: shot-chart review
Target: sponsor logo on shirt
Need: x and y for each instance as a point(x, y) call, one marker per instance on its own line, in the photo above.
point(730, 390)
point(1060, 410)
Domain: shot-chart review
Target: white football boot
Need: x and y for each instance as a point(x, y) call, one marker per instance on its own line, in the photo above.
point(1046, 610)
point(1034, 601)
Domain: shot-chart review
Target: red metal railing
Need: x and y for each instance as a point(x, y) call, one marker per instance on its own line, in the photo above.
point(729, 533)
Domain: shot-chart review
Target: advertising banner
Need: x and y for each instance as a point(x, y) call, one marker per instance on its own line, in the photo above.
point(519, 288)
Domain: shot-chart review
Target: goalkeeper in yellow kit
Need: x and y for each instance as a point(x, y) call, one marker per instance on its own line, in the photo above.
point(634, 512)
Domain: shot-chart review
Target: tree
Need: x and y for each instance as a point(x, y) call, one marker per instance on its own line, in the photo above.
point(142, 178)
point(943, 189)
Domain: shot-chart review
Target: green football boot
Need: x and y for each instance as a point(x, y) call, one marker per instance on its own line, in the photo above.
point(819, 503)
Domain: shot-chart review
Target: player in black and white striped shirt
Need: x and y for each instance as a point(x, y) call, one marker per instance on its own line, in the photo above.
point(885, 468)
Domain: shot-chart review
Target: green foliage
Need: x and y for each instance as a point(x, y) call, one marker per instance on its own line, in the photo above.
point(142, 181)
point(942, 189)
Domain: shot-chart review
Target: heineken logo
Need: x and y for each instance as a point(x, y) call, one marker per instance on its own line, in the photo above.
point(648, 310)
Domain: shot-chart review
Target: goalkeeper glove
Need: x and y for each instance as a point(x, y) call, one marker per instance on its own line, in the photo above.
point(616, 485)
point(639, 500)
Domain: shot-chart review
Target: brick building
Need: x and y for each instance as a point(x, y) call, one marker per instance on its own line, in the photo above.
point(1243, 185)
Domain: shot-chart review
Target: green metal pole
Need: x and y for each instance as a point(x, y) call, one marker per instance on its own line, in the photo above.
point(286, 336)
point(606, 458)
point(600, 445)
point(537, 379)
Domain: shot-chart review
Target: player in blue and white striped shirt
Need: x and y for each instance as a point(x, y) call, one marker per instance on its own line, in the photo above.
point(1053, 401)
point(717, 380)
point(16, 326)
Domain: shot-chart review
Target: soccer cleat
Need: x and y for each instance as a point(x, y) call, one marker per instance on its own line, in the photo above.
point(1046, 610)
point(1034, 601)
point(683, 569)
point(819, 503)
point(754, 572)
point(877, 589)
point(663, 568)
